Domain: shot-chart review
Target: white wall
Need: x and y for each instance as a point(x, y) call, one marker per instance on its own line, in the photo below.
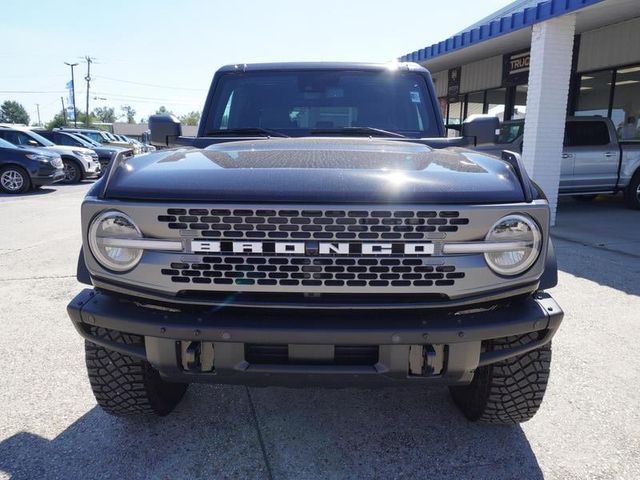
point(609, 46)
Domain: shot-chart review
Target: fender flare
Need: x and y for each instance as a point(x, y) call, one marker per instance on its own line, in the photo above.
point(549, 278)
point(82, 272)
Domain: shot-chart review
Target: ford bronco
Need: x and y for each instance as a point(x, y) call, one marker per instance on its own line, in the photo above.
point(319, 230)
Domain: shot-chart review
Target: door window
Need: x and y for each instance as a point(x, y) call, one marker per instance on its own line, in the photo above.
point(586, 134)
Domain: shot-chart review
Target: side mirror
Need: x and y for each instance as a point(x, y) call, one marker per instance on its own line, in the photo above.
point(482, 127)
point(164, 130)
point(33, 143)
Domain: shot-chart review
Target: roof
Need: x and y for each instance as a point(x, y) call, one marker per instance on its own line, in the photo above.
point(318, 66)
point(515, 16)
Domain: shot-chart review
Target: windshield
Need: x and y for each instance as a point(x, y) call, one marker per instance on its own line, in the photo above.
point(40, 139)
point(5, 144)
point(297, 103)
point(90, 141)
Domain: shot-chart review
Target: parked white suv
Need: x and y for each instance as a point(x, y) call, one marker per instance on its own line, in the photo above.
point(79, 162)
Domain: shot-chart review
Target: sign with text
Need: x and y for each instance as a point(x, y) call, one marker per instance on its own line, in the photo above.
point(516, 68)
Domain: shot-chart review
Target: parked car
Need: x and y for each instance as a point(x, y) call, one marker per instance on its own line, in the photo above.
point(22, 168)
point(105, 154)
point(594, 161)
point(100, 136)
point(79, 162)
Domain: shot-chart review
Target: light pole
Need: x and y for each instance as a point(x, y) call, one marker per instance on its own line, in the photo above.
point(73, 93)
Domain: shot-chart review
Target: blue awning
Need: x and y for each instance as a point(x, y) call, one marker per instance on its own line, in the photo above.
point(515, 16)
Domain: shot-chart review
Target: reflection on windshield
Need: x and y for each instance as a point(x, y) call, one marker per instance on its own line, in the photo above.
point(295, 103)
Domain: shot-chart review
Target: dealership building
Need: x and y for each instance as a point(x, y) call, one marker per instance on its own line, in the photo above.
point(541, 61)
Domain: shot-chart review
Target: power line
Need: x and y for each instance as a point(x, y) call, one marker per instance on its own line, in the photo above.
point(32, 91)
point(152, 85)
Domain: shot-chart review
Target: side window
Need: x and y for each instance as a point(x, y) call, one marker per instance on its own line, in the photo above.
point(66, 140)
point(17, 138)
point(586, 134)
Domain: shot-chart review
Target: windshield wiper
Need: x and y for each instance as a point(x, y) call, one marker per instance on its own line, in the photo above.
point(253, 131)
point(368, 131)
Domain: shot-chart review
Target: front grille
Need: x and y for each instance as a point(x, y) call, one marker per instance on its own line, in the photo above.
point(295, 224)
point(299, 271)
point(343, 355)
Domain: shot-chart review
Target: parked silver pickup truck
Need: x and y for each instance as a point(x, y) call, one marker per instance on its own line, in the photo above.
point(594, 162)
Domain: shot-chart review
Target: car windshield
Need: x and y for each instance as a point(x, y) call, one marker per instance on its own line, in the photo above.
point(81, 141)
point(40, 139)
point(90, 141)
point(300, 103)
point(5, 144)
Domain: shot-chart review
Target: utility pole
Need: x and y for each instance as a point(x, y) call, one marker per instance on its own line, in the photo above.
point(88, 79)
point(64, 112)
point(73, 93)
point(38, 108)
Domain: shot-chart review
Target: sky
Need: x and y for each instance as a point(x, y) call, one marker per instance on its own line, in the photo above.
point(152, 53)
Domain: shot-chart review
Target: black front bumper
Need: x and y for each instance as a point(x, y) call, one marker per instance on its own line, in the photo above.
point(47, 178)
point(229, 331)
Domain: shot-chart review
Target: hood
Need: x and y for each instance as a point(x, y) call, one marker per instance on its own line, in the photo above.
point(317, 170)
point(38, 150)
point(68, 150)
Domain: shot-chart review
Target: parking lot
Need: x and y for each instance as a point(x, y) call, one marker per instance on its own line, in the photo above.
point(50, 427)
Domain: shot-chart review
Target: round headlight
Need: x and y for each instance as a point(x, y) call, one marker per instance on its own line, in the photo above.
point(525, 234)
point(103, 230)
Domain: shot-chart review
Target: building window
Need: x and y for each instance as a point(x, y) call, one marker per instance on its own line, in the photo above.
point(475, 103)
point(519, 102)
point(625, 110)
point(595, 94)
point(496, 102)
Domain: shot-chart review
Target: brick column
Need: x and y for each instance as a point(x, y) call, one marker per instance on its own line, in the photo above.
point(550, 69)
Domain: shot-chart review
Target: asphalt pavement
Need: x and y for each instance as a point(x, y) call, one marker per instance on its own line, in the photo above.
point(50, 427)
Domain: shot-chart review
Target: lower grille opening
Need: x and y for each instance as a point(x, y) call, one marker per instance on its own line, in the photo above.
point(260, 354)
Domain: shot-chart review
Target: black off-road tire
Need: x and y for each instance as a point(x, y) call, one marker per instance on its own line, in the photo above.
point(510, 391)
point(632, 192)
point(124, 385)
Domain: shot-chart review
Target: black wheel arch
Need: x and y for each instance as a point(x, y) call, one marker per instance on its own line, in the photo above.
point(77, 162)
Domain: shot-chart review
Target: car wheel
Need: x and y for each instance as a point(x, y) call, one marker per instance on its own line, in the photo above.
point(632, 193)
point(72, 173)
point(14, 179)
point(124, 385)
point(509, 391)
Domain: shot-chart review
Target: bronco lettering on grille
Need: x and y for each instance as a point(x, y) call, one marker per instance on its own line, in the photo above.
point(312, 248)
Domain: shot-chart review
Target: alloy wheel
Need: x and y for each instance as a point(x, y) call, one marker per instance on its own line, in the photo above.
point(12, 180)
point(70, 171)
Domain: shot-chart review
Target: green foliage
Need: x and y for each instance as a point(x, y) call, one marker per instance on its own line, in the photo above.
point(191, 118)
point(57, 121)
point(129, 113)
point(13, 112)
point(163, 110)
point(105, 114)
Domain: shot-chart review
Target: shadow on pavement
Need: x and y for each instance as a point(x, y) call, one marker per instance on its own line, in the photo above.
point(30, 193)
point(603, 239)
point(311, 433)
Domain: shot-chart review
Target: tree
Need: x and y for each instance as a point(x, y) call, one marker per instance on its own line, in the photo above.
point(191, 118)
point(57, 121)
point(13, 112)
point(129, 112)
point(105, 114)
point(163, 111)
